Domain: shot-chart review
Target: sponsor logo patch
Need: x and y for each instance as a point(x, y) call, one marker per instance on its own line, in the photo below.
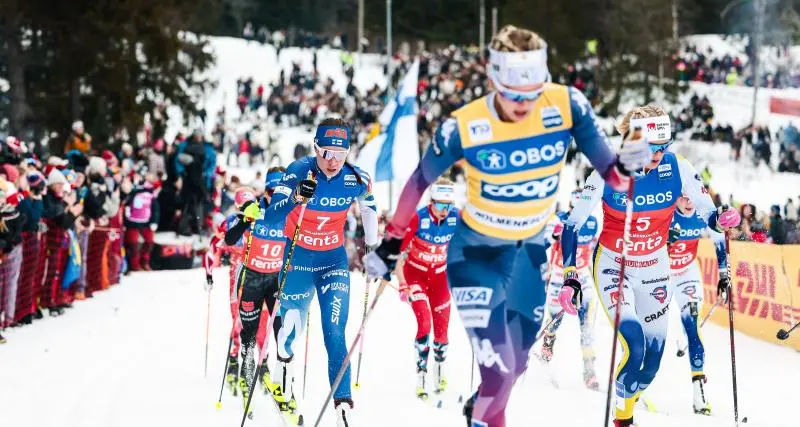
point(475, 318)
point(472, 295)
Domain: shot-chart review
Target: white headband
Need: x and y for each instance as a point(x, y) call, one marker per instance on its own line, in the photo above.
point(657, 128)
point(442, 192)
point(519, 68)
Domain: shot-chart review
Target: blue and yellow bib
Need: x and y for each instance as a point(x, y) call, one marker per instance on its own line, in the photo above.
point(513, 169)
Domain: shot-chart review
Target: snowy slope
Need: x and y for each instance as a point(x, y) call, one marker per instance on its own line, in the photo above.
point(133, 356)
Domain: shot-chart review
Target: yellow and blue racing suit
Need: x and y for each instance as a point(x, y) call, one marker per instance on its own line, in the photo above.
point(495, 259)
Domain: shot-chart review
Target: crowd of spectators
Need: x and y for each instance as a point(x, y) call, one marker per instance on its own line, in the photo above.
point(693, 64)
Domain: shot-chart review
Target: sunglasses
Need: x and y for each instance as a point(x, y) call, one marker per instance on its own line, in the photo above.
point(515, 96)
point(332, 154)
point(518, 96)
point(442, 206)
point(659, 148)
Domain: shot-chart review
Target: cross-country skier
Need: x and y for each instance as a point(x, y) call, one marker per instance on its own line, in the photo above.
point(645, 289)
point(216, 249)
point(687, 228)
point(261, 260)
point(587, 239)
point(423, 280)
point(514, 143)
point(319, 262)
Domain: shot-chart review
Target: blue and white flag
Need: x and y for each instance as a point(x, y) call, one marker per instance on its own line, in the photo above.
point(394, 153)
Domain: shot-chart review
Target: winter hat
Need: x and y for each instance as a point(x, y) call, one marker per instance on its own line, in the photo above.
point(110, 158)
point(16, 146)
point(332, 137)
point(158, 145)
point(35, 179)
point(97, 166)
point(56, 177)
point(57, 162)
point(243, 195)
point(273, 179)
point(10, 171)
point(77, 125)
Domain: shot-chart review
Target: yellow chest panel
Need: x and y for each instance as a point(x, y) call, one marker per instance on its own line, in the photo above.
point(513, 169)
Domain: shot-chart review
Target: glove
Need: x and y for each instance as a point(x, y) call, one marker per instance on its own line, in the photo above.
point(727, 218)
point(251, 211)
point(723, 286)
point(305, 190)
point(209, 283)
point(571, 295)
point(674, 234)
point(634, 155)
point(557, 231)
point(381, 261)
point(404, 292)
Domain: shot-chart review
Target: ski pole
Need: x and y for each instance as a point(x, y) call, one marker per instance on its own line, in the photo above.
point(626, 237)
point(357, 385)
point(285, 272)
point(347, 358)
point(233, 326)
point(682, 350)
point(548, 326)
point(208, 329)
point(731, 329)
point(224, 372)
point(784, 334)
point(305, 358)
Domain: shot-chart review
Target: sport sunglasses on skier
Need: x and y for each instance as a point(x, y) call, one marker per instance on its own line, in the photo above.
point(331, 154)
point(442, 206)
point(518, 96)
point(659, 148)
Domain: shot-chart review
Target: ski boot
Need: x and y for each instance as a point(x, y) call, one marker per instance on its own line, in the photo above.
point(344, 409)
point(2, 340)
point(469, 405)
point(245, 395)
point(232, 376)
point(439, 380)
point(547, 346)
point(57, 311)
point(589, 376)
point(628, 422)
point(700, 404)
point(266, 380)
point(422, 392)
point(38, 314)
point(283, 390)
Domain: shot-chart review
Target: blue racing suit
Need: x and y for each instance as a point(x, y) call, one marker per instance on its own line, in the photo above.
point(319, 261)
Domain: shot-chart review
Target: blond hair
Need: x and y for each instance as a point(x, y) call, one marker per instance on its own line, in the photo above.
point(641, 112)
point(513, 39)
point(443, 181)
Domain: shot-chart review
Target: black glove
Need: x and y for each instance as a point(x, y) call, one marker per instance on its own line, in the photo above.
point(674, 234)
point(380, 262)
point(306, 188)
point(723, 286)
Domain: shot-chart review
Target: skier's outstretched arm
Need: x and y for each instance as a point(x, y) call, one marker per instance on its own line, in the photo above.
point(614, 168)
point(590, 196)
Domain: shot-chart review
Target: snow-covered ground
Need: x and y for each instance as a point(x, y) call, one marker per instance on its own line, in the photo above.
point(134, 355)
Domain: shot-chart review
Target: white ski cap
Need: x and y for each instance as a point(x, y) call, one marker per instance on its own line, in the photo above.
point(443, 192)
point(657, 128)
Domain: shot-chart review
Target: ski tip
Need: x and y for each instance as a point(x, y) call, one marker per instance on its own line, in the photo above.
point(218, 405)
point(300, 420)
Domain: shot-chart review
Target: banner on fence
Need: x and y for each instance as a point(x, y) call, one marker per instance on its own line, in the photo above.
point(766, 286)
